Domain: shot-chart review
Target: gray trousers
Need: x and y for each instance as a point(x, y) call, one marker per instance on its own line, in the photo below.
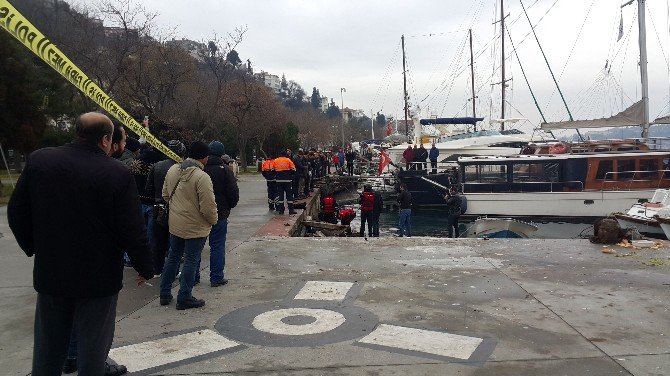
point(91, 319)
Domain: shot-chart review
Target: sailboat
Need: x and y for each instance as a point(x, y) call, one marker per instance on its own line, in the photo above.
point(584, 179)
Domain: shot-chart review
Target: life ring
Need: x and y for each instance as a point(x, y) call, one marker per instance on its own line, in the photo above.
point(559, 148)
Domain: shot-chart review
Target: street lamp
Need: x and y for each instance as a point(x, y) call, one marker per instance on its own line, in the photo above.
point(342, 90)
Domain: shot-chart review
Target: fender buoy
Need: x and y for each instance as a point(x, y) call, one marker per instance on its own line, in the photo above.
point(559, 148)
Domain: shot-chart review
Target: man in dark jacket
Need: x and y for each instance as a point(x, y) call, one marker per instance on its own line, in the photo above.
point(432, 155)
point(154, 188)
point(453, 212)
point(226, 194)
point(75, 208)
point(405, 202)
point(421, 156)
point(376, 212)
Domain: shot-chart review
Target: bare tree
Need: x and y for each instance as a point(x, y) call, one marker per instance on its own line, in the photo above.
point(245, 107)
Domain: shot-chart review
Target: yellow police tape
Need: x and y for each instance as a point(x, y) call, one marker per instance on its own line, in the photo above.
point(17, 25)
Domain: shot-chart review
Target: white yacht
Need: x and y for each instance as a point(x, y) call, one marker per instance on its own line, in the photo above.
point(643, 216)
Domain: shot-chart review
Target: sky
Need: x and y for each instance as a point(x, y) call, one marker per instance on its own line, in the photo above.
point(355, 44)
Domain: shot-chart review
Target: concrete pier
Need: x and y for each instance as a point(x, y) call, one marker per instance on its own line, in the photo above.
point(383, 306)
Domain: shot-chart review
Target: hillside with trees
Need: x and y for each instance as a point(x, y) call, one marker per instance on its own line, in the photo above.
point(189, 89)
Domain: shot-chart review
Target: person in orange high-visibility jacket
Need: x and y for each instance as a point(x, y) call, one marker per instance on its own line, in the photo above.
point(284, 170)
point(269, 175)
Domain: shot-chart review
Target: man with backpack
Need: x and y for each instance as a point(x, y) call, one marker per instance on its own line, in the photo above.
point(456, 205)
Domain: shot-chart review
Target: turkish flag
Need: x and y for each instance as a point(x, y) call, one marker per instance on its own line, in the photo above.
point(388, 129)
point(384, 161)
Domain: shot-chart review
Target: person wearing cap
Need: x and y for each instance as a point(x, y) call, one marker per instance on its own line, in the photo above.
point(190, 194)
point(226, 194)
point(131, 151)
point(154, 187)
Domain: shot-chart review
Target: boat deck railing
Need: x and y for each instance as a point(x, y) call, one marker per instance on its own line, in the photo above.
point(627, 178)
point(558, 185)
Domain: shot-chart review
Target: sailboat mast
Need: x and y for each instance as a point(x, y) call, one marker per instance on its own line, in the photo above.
point(404, 84)
point(472, 72)
point(502, 62)
point(643, 65)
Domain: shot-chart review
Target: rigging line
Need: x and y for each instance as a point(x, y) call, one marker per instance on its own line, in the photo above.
point(475, 15)
point(572, 50)
point(523, 72)
point(443, 85)
point(625, 56)
point(386, 76)
point(451, 84)
point(658, 37)
point(615, 30)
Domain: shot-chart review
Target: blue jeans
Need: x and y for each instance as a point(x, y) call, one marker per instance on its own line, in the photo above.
point(148, 213)
point(404, 222)
point(217, 249)
point(190, 249)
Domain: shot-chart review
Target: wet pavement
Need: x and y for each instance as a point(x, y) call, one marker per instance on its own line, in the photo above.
point(384, 306)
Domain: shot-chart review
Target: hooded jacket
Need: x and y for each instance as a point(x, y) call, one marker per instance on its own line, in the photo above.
point(226, 191)
point(192, 207)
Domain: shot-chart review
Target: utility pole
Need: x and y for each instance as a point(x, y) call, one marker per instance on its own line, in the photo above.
point(372, 123)
point(342, 123)
point(404, 85)
point(472, 73)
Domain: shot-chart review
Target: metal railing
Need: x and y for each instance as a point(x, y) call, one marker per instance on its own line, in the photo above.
point(660, 176)
point(563, 184)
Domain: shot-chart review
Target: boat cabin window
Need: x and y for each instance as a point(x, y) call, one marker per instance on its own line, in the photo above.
point(537, 172)
point(649, 169)
point(486, 174)
point(625, 168)
point(605, 166)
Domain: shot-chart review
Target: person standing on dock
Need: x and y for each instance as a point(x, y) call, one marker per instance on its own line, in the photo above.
point(376, 212)
point(408, 155)
point(453, 212)
point(350, 157)
point(340, 160)
point(405, 203)
point(367, 201)
point(422, 155)
point(432, 155)
point(285, 172)
point(269, 175)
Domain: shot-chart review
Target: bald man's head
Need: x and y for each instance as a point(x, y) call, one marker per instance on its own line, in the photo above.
point(93, 126)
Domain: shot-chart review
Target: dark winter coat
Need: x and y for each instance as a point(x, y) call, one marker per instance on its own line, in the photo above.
point(226, 191)
point(77, 210)
point(156, 179)
point(405, 200)
point(433, 153)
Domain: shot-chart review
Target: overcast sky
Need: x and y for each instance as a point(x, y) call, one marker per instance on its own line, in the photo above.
point(355, 44)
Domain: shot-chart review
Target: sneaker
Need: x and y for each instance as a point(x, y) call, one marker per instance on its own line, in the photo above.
point(192, 302)
point(165, 300)
point(217, 284)
point(70, 366)
point(114, 369)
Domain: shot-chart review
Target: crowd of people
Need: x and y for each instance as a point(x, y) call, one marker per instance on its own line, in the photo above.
point(416, 157)
point(85, 209)
point(78, 211)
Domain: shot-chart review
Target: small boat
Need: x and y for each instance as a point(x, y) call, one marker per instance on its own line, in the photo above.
point(502, 228)
point(663, 218)
point(644, 216)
